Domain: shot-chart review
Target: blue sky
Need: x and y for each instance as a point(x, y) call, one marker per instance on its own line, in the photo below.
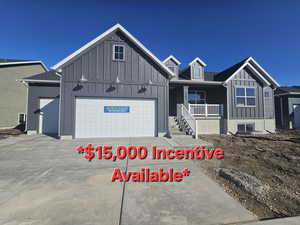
point(221, 32)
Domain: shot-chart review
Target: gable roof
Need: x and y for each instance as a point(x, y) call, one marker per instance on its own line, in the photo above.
point(197, 59)
point(48, 77)
point(210, 76)
point(128, 35)
point(224, 75)
point(172, 58)
point(229, 73)
point(12, 62)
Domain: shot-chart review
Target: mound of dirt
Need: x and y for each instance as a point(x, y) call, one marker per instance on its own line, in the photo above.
point(261, 171)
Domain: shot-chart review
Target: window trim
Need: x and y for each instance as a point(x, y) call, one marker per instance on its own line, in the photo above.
point(113, 51)
point(245, 97)
point(245, 124)
point(202, 91)
point(174, 67)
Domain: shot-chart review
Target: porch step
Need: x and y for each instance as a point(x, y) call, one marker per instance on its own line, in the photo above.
point(173, 127)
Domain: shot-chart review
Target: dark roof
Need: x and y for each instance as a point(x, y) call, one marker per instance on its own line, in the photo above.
point(224, 75)
point(210, 76)
point(287, 89)
point(50, 75)
point(13, 60)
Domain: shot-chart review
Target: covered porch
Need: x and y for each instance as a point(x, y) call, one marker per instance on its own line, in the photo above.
point(206, 100)
point(199, 108)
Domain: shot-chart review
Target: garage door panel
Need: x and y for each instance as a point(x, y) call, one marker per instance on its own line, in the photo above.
point(93, 121)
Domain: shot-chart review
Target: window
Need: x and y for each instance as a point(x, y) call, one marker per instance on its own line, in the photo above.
point(22, 118)
point(245, 96)
point(245, 127)
point(172, 68)
point(267, 94)
point(196, 97)
point(119, 52)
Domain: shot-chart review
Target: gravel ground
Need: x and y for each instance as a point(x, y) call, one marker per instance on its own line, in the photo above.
point(272, 160)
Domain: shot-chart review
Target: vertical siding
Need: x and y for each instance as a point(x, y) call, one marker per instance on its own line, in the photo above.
point(97, 66)
point(245, 79)
point(171, 63)
point(35, 92)
point(197, 71)
point(269, 103)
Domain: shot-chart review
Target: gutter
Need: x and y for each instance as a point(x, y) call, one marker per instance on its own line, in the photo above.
point(38, 81)
point(196, 82)
point(288, 93)
point(25, 62)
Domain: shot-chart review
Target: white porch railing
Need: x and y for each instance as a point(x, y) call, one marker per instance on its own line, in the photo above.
point(206, 110)
point(186, 121)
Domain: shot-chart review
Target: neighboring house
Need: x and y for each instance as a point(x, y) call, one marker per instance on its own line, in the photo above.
point(13, 95)
point(115, 87)
point(287, 104)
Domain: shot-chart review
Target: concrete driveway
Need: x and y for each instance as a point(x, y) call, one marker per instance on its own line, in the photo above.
point(44, 181)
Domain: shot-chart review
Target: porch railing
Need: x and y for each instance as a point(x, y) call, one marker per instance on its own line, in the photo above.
point(186, 120)
point(206, 110)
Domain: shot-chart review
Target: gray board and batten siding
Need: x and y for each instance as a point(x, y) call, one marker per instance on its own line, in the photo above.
point(36, 91)
point(139, 76)
point(264, 107)
point(172, 66)
point(195, 71)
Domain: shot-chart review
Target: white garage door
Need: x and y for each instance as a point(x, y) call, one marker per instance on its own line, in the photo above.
point(48, 120)
point(297, 116)
point(114, 118)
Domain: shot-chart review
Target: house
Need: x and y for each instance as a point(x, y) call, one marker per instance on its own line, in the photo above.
point(287, 105)
point(114, 87)
point(238, 99)
point(13, 95)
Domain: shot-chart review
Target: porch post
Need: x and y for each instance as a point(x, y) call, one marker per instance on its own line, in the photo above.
point(186, 96)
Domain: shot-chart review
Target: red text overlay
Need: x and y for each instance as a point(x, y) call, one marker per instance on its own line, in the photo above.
point(107, 152)
point(147, 175)
point(141, 152)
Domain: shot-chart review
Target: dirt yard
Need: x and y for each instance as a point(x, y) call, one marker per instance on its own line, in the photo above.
point(262, 171)
point(5, 133)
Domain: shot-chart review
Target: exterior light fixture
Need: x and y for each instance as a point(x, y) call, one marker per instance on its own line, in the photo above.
point(117, 80)
point(83, 79)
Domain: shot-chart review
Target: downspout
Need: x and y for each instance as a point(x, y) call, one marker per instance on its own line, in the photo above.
point(59, 106)
point(263, 97)
point(281, 111)
point(26, 85)
point(227, 108)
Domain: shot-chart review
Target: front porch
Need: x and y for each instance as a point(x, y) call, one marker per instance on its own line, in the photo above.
point(201, 100)
point(199, 109)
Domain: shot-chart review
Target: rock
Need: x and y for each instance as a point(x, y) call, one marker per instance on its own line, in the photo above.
point(245, 181)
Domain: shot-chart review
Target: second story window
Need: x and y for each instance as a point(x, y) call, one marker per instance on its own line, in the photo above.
point(245, 96)
point(119, 52)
